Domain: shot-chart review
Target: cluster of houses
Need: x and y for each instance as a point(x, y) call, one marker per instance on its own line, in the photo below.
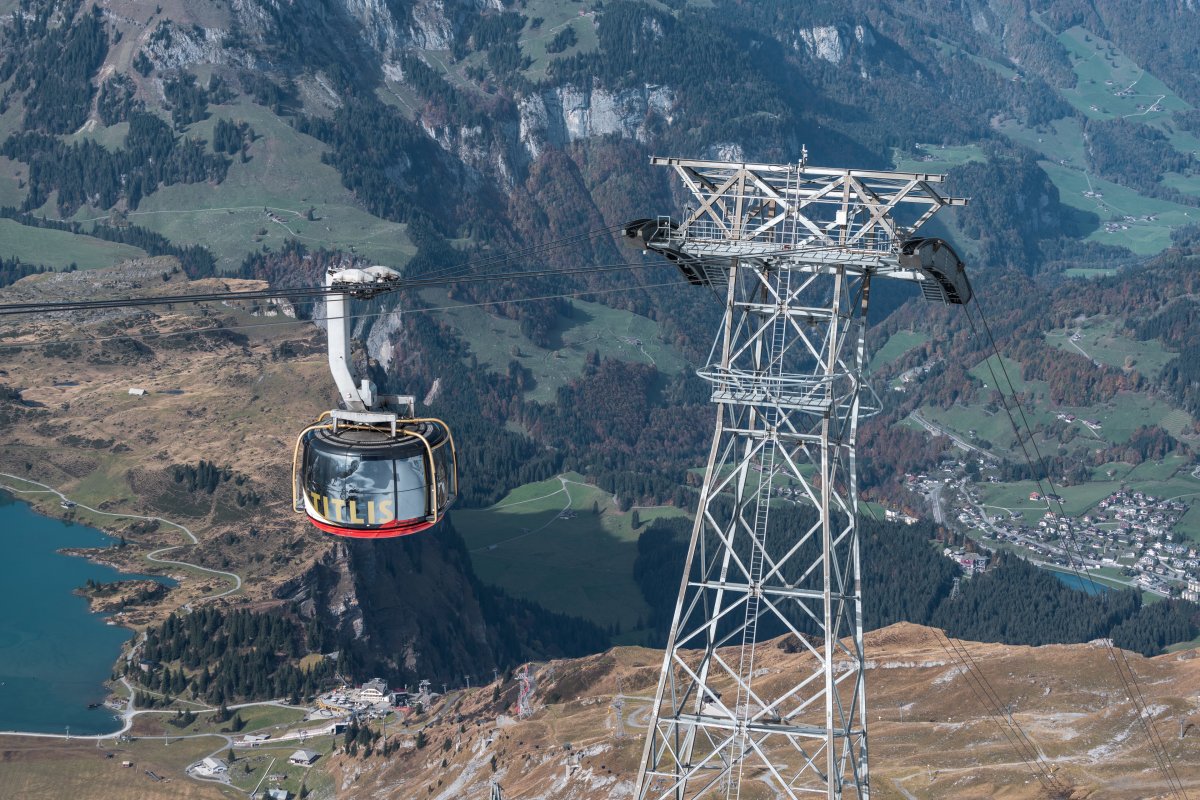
point(374, 699)
point(914, 374)
point(1128, 529)
point(971, 563)
point(894, 515)
point(216, 768)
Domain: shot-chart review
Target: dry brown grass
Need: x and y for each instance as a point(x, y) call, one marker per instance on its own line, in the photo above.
point(930, 736)
point(46, 769)
point(239, 406)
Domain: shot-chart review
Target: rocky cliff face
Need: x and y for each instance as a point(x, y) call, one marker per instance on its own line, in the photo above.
point(406, 586)
point(569, 113)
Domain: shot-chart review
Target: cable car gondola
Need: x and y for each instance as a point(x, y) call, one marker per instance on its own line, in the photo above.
point(374, 469)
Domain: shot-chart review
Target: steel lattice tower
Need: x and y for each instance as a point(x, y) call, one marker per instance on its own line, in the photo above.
point(525, 696)
point(791, 251)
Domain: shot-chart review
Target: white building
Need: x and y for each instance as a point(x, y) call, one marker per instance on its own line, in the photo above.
point(303, 758)
point(212, 767)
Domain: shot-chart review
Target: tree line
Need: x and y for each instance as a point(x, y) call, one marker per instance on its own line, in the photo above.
point(905, 578)
point(87, 173)
point(223, 657)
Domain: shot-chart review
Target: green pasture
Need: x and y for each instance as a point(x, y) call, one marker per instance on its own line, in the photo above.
point(286, 176)
point(1101, 342)
point(59, 249)
point(936, 157)
point(11, 175)
point(111, 137)
point(897, 345)
point(454, 71)
point(1169, 478)
point(961, 419)
point(1178, 423)
point(252, 765)
point(497, 341)
point(400, 95)
point(262, 719)
point(563, 544)
point(1184, 141)
point(1118, 417)
point(1059, 141)
point(1189, 524)
point(1160, 472)
point(1128, 411)
point(555, 17)
point(1189, 184)
point(1076, 500)
point(10, 120)
point(1141, 235)
point(1012, 497)
point(1102, 71)
point(948, 48)
point(1006, 371)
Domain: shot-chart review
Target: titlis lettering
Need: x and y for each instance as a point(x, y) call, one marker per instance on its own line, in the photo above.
point(351, 511)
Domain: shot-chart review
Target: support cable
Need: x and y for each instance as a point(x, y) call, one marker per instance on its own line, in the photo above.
point(524, 252)
point(582, 293)
point(989, 702)
point(1076, 563)
point(9, 309)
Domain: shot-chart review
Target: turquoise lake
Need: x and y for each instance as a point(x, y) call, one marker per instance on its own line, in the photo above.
point(54, 653)
point(1080, 582)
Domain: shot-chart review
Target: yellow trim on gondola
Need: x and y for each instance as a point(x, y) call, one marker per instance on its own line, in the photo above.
point(453, 448)
point(432, 500)
point(297, 501)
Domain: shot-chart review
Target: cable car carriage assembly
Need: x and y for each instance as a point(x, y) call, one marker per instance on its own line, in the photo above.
point(374, 469)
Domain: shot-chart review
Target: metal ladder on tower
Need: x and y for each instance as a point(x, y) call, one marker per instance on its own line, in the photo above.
point(744, 710)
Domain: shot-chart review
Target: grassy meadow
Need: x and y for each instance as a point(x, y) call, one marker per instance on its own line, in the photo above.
point(564, 544)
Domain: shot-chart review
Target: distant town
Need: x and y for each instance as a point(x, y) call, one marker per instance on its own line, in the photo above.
point(1128, 537)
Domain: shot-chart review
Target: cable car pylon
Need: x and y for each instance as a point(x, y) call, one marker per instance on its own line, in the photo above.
point(372, 469)
point(790, 250)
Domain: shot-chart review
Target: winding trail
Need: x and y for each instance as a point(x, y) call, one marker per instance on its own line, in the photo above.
point(564, 490)
point(152, 556)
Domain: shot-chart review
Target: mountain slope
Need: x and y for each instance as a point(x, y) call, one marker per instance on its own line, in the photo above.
point(930, 738)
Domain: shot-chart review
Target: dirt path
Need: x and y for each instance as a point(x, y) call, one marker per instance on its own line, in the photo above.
point(152, 556)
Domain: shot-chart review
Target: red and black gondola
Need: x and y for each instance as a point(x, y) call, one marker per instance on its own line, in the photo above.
point(372, 470)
